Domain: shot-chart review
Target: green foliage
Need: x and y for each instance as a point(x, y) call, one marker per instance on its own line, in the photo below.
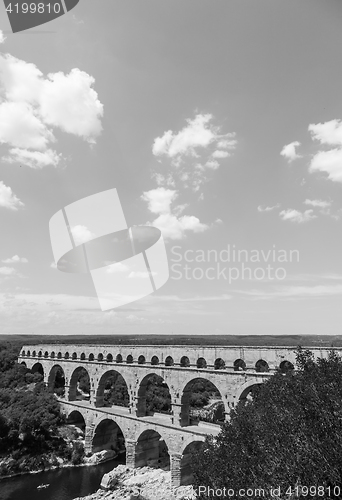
point(116, 391)
point(290, 433)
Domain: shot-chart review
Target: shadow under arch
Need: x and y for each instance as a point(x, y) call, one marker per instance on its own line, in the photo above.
point(112, 390)
point(56, 380)
point(243, 393)
point(201, 400)
point(153, 396)
point(108, 435)
point(185, 464)
point(76, 418)
point(151, 450)
point(38, 367)
point(79, 384)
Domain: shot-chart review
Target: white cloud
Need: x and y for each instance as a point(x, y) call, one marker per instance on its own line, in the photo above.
point(8, 199)
point(2, 37)
point(81, 234)
point(267, 209)
point(159, 200)
point(317, 203)
point(33, 159)
point(220, 154)
point(32, 105)
point(329, 162)
point(328, 132)
point(295, 292)
point(7, 271)
point(117, 267)
point(53, 265)
point(296, 216)
point(212, 164)
point(15, 259)
point(289, 151)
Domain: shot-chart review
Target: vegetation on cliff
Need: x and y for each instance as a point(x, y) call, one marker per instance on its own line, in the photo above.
point(288, 435)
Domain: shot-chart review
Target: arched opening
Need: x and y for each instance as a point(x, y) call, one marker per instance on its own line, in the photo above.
point(201, 401)
point(74, 355)
point(46, 354)
point(185, 465)
point(219, 364)
point(83, 357)
point(38, 368)
point(185, 361)
point(66, 355)
point(79, 385)
point(56, 381)
point(152, 451)
point(141, 360)
point(23, 363)
point(40, 354)
point(112, 390)
point(52, 355)
point(261, 366)
point(286, 366)
point(59, 355)
point(201, 363)
point(169, 361)
point(153, 396)
point(109, 358)
point(129, 359)
point(23, 353)
point(248, 393)
point(91, 357)
point(119, 358)
point(109, 436)
point(239, 365)
point(76, 419)
point(154, 360)
point(34, 354)
point(100, 357)
point(28, 353)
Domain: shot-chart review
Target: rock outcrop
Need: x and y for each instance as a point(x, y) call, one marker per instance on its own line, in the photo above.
point(143, 483)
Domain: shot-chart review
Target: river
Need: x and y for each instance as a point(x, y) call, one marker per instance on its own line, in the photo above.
point(65, 484)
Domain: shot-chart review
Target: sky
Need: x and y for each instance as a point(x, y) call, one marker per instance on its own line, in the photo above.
point(220, 123)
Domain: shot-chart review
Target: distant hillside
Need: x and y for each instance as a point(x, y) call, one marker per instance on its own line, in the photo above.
point(246, 340)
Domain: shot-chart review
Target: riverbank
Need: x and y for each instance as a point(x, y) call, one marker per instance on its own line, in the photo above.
point(143, 483)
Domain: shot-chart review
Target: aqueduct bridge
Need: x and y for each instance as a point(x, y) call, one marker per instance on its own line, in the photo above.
point(233, 370)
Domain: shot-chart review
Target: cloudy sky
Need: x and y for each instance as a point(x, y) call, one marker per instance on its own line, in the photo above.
point(218, 122)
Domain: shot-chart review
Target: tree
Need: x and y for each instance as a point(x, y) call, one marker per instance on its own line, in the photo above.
point(289, 434)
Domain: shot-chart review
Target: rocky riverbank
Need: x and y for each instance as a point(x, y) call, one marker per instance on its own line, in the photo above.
point(144, 483)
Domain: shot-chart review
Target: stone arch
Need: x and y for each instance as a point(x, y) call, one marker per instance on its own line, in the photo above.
point(239, 365)
point(66, 355)
point(108, 435)
point(151, 450)
point(119, 358)
point(46, 354)
point(169, 361)
point(74, 355)
point(262, 366)
point(38, 367)
point(34, 354)
point(185, 463)
point(109, 358)
point(120, 397)
point(185, 361)
point(129, 359)
point(219, 364)
point(141, 360)
point(201, 363)
point(91, 357)
point(199, 402)
point(23, 363)
point(76, 418)
point(28, 353)
point(83, 356)
point(56, 380)
point(22, 353)
point(40, 354)
point(241, 395)
point(76, 392)
point(147, 402)
point(100, 356)
point(52, 355)
point(154, 360)
point(286, 366)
